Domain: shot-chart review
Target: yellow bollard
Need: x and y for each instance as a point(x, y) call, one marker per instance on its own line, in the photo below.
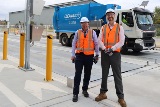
point(5, 45)
point(49, 58)
point(22, 42)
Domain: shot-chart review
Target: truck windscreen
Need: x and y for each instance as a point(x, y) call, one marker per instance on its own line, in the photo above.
point(144, 18)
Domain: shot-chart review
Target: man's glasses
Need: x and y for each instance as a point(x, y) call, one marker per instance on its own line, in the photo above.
point(110, 14)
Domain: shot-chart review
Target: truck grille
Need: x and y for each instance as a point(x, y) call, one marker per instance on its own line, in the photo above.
point(148, 34)
point(149, 43)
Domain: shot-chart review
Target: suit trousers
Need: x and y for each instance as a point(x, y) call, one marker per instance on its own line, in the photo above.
point(81, 61)
point(115, 62)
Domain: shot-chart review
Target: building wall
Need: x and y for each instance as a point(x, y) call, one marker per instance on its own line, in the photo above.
point(15, 17)
point(45, 18)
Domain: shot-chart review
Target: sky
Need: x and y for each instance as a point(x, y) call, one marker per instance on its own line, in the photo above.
point(18, 5)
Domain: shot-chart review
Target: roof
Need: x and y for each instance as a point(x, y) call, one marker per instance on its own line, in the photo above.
point(141, 10)
point(62, 4)
point(70, 3)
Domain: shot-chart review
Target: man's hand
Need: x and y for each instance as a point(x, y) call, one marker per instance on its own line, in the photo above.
point(73, 59)
point(95, 59)
point(109, 50)
point(105, 50)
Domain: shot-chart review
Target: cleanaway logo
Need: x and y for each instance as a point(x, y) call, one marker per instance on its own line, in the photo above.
point(73, 16)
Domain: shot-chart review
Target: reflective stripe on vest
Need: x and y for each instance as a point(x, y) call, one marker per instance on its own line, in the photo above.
point(107, 36)
point(85, 45)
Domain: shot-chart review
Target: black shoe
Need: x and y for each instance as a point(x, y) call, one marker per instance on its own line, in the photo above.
point(85, 93)
point(75, 98)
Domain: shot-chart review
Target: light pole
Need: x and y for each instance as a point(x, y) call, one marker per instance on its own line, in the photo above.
point(27, 40)
point(31, 9)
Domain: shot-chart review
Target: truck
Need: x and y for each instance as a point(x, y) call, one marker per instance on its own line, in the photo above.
point(139, 30)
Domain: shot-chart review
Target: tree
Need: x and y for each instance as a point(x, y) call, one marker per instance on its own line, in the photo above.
point(156, 18)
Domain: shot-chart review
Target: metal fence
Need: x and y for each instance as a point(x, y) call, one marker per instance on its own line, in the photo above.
point(20, 29)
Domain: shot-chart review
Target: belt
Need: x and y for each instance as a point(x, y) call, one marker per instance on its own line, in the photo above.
point(81, 53)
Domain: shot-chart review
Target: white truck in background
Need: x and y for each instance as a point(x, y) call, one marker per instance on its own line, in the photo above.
point(139, 29)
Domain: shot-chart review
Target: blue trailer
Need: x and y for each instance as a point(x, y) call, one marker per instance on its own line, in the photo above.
point(66, 20)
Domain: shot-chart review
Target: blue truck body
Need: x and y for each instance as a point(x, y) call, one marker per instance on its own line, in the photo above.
point(67, 19)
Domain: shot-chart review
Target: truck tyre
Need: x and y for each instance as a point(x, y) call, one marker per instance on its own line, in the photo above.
point(136, 51)
point(138, 48)
point(64, 39)
point(124, 50)
point(71, 39)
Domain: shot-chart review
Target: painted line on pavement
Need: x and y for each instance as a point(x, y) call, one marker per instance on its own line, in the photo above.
point(12, 97)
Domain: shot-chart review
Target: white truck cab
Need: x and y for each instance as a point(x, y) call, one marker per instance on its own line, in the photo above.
point(138, 28)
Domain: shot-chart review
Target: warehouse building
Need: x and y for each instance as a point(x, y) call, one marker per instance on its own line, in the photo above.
point(46, 16)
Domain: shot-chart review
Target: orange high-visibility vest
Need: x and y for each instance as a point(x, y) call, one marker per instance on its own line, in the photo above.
point(111, 36)
point(85, 44)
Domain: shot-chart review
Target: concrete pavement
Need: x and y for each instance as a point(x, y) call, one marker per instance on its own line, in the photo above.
point(28, 89)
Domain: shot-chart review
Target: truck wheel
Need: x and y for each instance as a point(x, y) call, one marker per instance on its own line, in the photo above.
point(64, 39)
point(124, 50)
point(138, 48)
point(136, 51)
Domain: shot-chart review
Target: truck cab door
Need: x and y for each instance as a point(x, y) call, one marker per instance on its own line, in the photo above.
point(127, 19)
point(130, 19)
point(128, 24)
